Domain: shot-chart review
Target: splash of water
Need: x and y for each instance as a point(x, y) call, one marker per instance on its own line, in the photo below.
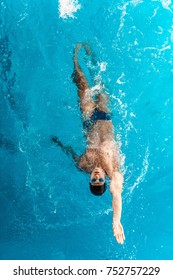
point(122, 18)
point(136, 2)
point(119, 81)
point(102, 66)
point(166, 4)
point(144, 170)
point(67, 8)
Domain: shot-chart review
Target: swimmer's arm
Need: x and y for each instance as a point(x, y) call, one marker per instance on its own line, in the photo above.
point(116, 190)
point(67, 149)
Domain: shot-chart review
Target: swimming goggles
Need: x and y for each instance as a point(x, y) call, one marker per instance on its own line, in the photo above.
point(100, 180)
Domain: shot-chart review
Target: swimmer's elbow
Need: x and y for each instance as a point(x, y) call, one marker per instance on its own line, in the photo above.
point(118, 176)
point(116, 182)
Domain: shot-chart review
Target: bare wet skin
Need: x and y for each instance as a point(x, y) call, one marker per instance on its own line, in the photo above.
point(101, 157)
point(102, 153)
point(101, 148)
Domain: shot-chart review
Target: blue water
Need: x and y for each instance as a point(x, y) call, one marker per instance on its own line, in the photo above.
point(46, 209)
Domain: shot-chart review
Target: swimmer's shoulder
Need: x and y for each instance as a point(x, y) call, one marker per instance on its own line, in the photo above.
point(84, 163)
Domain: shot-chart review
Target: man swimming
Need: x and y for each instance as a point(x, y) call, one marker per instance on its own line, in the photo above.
point(102, 157)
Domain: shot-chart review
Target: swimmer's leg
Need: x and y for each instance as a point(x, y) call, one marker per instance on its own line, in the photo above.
point(102, 99)
point(92, 67)
point(78, 75)
point(87, 104)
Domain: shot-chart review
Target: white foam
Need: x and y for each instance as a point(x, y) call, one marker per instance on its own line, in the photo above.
point(166, 4)
point(155, 13)
point(160, 30)
point(94, 90)
point(21, 148)
point(132, 115)
point(159, 50)
point(143, 173)
point(136, 2)
point(171, 33)
point(99, 86)
point(107, 211)
point(67, 8)
point(103, 66)
point(122, 18)
point(119, 79)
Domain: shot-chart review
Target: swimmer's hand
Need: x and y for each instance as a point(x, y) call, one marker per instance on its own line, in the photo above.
point(118, 232)
point(55, 140)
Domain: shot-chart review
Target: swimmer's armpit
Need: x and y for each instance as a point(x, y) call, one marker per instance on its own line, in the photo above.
point(67, 149)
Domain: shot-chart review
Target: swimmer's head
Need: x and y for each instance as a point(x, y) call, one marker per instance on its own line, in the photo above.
point(98, 190)
point(98, 181)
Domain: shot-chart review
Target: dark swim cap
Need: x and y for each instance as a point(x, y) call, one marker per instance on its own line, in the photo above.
point(98, 190)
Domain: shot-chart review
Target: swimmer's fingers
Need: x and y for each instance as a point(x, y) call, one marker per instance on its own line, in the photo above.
point(56, 140)
point(119, 238)
point(118, 232)
point(90, 52)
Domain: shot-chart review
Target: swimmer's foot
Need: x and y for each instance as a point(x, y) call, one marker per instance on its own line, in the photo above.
point(76, 50)
point(90, 52)
point(75, 59)
point(79, 46)
point(118, 232)
point(77, 70)
point(87, 48)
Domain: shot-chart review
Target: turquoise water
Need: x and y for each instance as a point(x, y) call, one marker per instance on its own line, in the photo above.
point(46, 209)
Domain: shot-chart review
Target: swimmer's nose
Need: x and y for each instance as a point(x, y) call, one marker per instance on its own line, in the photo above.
point(97, 176)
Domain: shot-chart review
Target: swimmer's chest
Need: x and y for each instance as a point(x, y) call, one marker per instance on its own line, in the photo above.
point(98, 157)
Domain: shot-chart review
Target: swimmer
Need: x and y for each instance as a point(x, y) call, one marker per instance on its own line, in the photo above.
point(101, 158)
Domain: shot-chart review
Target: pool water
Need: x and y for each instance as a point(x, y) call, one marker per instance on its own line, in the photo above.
point(46, 209)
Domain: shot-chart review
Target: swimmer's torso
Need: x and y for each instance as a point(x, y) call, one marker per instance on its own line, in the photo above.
point(101, 149)
point(100, 132)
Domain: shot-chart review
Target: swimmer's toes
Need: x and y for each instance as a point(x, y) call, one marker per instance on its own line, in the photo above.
point(77, 48)
point(87, 48)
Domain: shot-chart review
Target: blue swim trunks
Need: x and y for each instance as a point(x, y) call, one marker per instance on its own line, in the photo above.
point(96, 116)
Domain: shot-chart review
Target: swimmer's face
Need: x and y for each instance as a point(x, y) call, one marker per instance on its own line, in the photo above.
point(97, 177)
